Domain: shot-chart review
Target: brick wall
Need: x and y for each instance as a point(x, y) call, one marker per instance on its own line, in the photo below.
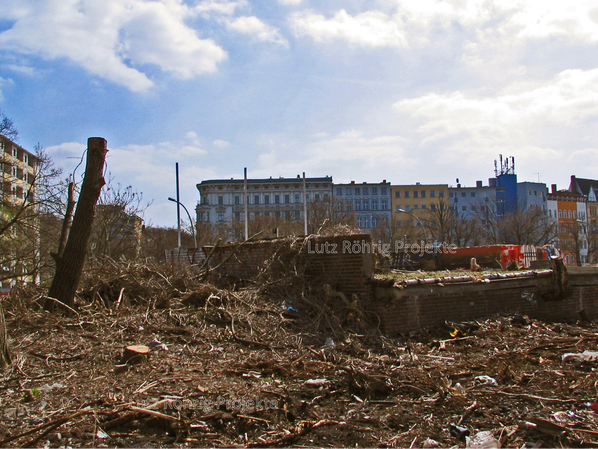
point(404, 310)
point(344, 262)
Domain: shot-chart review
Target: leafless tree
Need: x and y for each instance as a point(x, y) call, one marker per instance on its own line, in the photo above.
point(118, 222)
point(8, 128)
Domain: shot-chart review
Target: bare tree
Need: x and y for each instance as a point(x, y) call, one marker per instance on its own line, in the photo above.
point(329, 212)
point(448, 226)
point(8, 128)
point(118, 222)
point(522, 226)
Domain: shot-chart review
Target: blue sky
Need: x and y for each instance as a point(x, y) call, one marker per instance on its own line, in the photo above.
point(408, 91)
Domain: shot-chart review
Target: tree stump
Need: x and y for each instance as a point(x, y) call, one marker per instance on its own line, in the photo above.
point(135, 354)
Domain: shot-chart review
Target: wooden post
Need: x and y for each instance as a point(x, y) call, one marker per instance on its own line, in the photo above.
point(69, 265)
point(4, 352)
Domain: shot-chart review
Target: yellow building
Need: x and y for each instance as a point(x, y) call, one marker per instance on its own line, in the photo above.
point(19, 245)
point(18, 167)
point(416, 200)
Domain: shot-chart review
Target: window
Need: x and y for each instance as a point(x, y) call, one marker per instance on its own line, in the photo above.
point(237, 199)
point(407, 208)
point(297, 198)
point(317, 197)
point(374, 221)
point(339, 191)
point(433, 207)
point(384, 204)
point(422, 194)
point(416, 206)
point(424, 206)
point(349, 204)
point(365, 190)
point(463, 194)
point(266, 199)
point(357, 191)
point(374, 190)
point(472, 194)
point(406, 193)
point(398, 208)
point(220, 216)
point(366, 204)
point(450, 194)
point(348, 191)
point(397, 194)
point(276, 199)
point(287, 199)
point(432, 193)
point(256, 199)
point(359, 222)
point(307, 197)
point(220, 200)
point(374, 204)
point(415, 194)
point(357, 204)
point(383, 190)
point(464, 208)
point(297, 215)
point(238, 216)
point(441, 193)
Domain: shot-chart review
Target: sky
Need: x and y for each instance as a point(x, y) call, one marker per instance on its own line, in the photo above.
point(362, 90)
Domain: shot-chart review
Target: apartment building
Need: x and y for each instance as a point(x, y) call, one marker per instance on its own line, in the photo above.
point(568, 209)
point(222, 201)
point(417, 200)
point(18, 167)
point(370, 202)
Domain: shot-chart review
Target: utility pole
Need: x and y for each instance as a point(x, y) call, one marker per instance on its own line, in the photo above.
point(178, 205)
point(304, 206)
point(245, 200)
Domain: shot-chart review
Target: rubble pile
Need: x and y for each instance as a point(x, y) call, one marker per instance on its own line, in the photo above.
point(250, 368)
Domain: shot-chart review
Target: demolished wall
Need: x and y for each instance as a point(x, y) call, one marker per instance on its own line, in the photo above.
point(344, 262)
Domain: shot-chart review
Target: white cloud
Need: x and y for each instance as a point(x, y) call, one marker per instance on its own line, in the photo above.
point(540, 124)
point(372, 28)
point(225, 7)
point(413, 22)
point(112, 39)
point(256, 28)
point(347, 152)
point(290, 2)
point(221, 144)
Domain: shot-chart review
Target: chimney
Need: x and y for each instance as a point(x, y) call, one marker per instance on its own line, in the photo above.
point(553, 188)
point(478, 184)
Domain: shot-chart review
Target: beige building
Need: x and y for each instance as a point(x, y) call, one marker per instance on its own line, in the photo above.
point(18, 167)
point(416, 200)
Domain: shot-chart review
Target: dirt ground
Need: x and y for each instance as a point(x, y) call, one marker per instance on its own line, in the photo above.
point(242, 367)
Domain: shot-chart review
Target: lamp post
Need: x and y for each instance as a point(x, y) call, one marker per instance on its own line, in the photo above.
point(418, 220)
point(188, 215)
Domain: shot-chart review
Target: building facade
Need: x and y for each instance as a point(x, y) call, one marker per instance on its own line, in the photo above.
point(370, 202)
point(223, 201)
point(419, 200)
point(568, 210)
point(18, 167)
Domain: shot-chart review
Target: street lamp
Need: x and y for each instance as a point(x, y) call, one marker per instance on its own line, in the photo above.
point(418, 220)
point(190, 221)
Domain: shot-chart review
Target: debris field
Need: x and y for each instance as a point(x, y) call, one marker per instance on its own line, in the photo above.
point(246, 366)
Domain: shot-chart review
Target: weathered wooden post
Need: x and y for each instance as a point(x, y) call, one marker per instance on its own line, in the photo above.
point(69, 264)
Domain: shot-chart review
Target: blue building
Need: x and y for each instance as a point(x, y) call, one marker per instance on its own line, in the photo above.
point(370, 201)
point(503, 194)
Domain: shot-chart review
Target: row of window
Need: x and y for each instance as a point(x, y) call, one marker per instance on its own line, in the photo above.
point(568, 214)
point(361, 191)
point(268, 199)
point(419, 193)
point(204, 217)
point(364, 204)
